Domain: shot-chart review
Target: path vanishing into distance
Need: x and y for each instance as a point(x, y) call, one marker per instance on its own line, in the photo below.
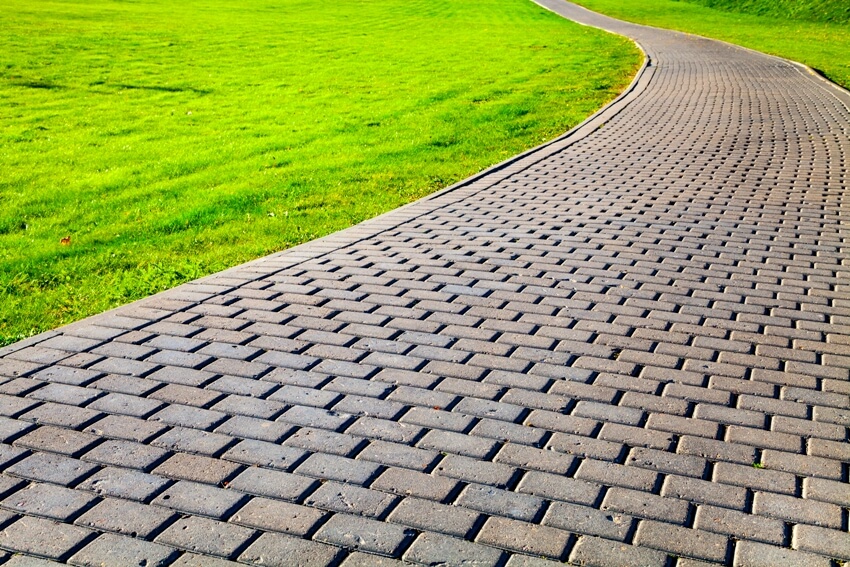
point(628, 347)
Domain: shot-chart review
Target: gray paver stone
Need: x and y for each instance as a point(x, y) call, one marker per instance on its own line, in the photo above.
point(203, 535)
point(121, 551)
point(56, 469)
point(524, 537)
point(350, 499)
point(125, 517)
point(124, 483)
point(266, 514)
point(363, 534)
point(278, 550)
point(427, 515)
point(753, 554)
point(435, 549)
point(48, 500)
point(44, 538)
point(588, 521)
point(202, 499)
point(597, 552)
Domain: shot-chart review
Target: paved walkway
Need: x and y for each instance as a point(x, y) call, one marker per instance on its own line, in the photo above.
point(628, 348)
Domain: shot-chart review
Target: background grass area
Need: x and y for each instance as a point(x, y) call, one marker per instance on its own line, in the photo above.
point(833, 11)
point(151, 142)
point(814, 32)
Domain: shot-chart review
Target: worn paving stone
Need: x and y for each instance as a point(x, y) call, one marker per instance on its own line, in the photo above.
point(532, 539)
point(121, 551)
point(754, 554)
point(264, 454)
point(126, 454)
point(472, 470)
point(278, 550)
point(557, 487)
point(202, 535)
point(427, 515)
point(631, 342)
point(332, 467)
point(497, 502)
point(48, 467)
point(411, 483)
point(274, 515)
point(196, 560)
point(196, 468)
point(833, 543)
point(43, 538)
point(589, 521)
point(202, 499)
point(682, 541)
point(126, 517)
point(124, 483)
point(58, 440)
point(125, 427)
point(436, 549)
point(274, 484)
point(355, 532)
point(48, 500)
point(740, 525)
point(340, 497)
point(597, 552)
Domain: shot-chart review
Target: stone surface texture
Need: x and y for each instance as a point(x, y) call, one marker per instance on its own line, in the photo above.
point(630, 346)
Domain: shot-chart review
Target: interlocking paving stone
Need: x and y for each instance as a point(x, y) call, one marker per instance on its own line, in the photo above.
point(117, 550)
point(274, 484)
point(350, 499)
point(53, 468)
point(206, 536)
point(514, 535)
point(48, 500)
point(364, 534)
point(627, 345)
point(598, 552)
point(266, 514)
point(682, 541)
point(43, 538)
point(278, 550)
point(754, 554)
point(124, 483)
point(425, 514)
point(195, 498)
point(586, 520)
point(436, 549)
point(125, 517)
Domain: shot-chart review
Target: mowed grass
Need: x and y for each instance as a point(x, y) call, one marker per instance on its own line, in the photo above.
point(814, 32)
point(146, 143)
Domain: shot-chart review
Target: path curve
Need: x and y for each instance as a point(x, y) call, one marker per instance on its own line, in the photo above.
point(629, 347)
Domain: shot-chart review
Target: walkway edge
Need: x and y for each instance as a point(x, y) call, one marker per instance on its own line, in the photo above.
point(376, 225)
point(841, 93)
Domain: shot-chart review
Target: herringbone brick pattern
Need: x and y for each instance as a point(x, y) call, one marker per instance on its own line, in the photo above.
point(631, 347)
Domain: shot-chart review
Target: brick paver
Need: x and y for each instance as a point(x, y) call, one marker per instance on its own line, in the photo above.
point(628, 347)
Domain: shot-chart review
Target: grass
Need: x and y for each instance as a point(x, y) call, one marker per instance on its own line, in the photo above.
point(831, 11)
point(147, 143)
point(814, 32)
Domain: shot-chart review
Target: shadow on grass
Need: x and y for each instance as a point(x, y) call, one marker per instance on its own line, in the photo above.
point(164, 88)
point(40, 85)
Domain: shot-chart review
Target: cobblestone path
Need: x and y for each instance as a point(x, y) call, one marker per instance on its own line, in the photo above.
point(630, 347)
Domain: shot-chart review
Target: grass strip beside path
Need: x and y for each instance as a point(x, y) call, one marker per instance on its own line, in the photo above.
point(822, 45)
point(146, 143)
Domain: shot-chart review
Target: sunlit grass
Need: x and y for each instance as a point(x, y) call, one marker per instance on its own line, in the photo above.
point(167, 140)
point(814, 32)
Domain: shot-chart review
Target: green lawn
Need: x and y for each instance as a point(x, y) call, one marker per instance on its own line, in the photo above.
point(814, 32)
point(167, 140)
